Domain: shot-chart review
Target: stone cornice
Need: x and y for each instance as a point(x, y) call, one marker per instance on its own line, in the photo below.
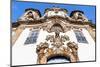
point(46, 19)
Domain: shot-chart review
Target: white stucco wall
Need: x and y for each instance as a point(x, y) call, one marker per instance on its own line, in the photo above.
point(26, 54)
point(86, 52)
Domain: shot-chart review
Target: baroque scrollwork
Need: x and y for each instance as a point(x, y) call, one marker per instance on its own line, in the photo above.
point(56, 44)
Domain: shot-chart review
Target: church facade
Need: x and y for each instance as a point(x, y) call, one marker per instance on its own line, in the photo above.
point(56, 35)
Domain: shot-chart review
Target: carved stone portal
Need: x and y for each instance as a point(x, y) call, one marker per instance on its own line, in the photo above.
point(55, 45)
point(45, 52)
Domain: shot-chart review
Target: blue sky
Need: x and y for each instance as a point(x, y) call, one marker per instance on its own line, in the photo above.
point(18, 8)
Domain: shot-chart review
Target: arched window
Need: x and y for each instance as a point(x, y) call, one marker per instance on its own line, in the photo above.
point(56, 28)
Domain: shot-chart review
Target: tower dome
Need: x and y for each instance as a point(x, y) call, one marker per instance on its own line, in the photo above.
point(78, 15)
point(30, 15)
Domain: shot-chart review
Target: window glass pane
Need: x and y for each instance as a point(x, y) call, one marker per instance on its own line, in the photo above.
point(80, 37)
point(32, 38)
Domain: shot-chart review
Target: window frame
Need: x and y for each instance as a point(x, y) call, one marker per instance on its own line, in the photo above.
point(80, 36)
point(32, 37)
